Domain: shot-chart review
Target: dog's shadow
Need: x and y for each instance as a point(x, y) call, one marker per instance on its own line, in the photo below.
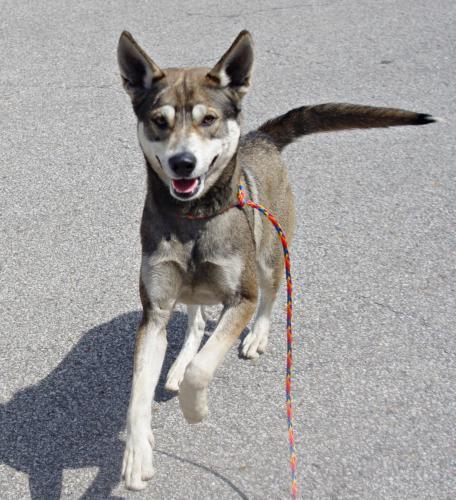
point(72, 418)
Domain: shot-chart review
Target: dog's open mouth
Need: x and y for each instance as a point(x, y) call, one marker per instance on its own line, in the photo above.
point(185, 188)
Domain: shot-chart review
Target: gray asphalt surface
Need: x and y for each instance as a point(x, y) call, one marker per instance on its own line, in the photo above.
point(374, 258)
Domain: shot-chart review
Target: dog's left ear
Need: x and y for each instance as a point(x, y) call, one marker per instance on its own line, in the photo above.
point(234, 70)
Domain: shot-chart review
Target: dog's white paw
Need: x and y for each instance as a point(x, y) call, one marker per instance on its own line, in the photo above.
point(193, 395)
point(176, 375)
point(137, 465)
point(254, 343)
point(193, 403)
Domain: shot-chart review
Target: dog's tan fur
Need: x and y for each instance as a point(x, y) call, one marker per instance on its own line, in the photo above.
point(230, 257)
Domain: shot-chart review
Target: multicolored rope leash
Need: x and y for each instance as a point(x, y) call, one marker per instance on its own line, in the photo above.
point(242, 201)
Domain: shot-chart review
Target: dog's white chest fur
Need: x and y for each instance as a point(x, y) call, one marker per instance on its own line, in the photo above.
point(207, 278)
point(212, 281)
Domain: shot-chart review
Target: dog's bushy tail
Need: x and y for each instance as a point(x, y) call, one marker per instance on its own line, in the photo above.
point(284, 129)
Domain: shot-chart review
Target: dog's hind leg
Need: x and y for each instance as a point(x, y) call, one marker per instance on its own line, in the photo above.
point(201, 370)
point(255, 342)
point(194, 334)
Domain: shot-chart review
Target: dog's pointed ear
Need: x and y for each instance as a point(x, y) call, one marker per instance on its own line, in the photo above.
point(139, 73)
point(234, 70)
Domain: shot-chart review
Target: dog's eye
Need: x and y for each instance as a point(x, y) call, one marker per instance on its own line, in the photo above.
point(160, 121)
point(208, 120)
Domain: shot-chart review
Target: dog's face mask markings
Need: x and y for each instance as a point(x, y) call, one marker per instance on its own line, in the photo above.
point(188, 148)
point(189, 119)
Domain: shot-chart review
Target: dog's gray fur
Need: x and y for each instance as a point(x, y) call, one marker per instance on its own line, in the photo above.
point(231, 257)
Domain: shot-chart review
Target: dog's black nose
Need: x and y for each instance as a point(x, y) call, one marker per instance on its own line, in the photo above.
point(183, 163)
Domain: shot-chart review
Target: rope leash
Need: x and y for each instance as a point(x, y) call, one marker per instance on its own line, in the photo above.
point(242, 201)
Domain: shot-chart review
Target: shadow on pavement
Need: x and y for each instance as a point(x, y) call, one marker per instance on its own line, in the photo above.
point(207, 469)
point(72, 418)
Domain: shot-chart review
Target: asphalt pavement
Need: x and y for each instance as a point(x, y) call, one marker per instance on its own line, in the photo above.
point(374, 257)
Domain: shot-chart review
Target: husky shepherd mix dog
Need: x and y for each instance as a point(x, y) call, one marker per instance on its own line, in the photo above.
point(189, 131)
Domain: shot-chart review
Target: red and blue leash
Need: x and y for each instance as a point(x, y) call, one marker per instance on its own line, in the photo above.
point(242, 202)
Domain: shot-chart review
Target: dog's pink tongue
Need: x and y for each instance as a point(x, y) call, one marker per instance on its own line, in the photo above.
point(184, 185)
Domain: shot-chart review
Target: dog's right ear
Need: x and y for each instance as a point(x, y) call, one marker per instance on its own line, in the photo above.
point(139, 73)
point(234, 70)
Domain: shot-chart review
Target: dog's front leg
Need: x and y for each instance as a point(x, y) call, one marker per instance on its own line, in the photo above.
point(201, 370)
point(150, 351)
point(193, 336)
point(150, 348)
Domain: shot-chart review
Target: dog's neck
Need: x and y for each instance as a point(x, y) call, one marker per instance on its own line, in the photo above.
point(220, 196)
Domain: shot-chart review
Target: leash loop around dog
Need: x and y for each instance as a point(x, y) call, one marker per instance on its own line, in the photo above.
point(242, 201)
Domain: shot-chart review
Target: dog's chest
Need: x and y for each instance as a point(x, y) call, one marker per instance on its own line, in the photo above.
point(210, 267)
point(213, 270)
point(211, 281)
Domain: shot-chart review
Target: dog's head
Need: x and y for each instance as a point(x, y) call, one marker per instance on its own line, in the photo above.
point(188, 119)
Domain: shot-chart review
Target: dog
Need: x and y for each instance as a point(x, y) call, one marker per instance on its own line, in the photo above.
point(195, 249)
